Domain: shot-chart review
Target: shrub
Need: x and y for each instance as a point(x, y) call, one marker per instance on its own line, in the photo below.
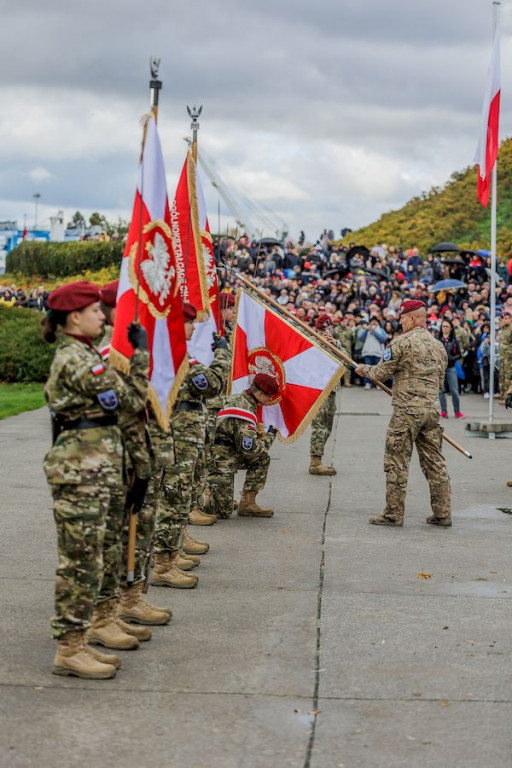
point(51, 260)
point(24, 356)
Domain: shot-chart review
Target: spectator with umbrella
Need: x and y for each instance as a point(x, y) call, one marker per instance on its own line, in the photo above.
point(451, 382)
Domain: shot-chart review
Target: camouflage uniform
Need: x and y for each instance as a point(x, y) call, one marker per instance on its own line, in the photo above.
point(345, 336)
point(188, 423)
point(238, 445)
point(321, 426)
point(84, 467)
point(417, 363)
point(505, 357)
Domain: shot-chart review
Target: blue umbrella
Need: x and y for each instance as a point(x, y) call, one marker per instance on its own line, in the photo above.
point(447, 285)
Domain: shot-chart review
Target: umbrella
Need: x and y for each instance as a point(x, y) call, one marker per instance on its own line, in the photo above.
point(447, 285)
point(497, 277)
point(440, 247)
point(269, 241)
point(360, 250)
point(454, 261)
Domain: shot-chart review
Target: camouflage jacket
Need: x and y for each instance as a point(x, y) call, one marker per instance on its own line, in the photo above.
point(134, 430)
point(201, 381)
point(237, 425)
point(505, 343)
point(416, 362)
point(215, 403)
point(81, 385)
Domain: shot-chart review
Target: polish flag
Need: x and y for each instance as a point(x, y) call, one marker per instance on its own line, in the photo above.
point(149, 270)
point(266, 342)
point(487, 150)
point(197, 271)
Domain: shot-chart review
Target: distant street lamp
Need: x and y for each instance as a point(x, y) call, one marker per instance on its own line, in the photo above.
point(36, 197)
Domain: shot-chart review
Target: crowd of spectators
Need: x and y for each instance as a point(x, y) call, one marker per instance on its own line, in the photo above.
point(362, 290)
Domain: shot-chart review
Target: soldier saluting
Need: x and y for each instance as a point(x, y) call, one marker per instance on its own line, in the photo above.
point(417, 363)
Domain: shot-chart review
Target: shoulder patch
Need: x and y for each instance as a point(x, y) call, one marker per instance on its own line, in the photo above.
point(247, 443)
point(108, 400)
point(98, 369)
point(388, 354)
point(200, 382)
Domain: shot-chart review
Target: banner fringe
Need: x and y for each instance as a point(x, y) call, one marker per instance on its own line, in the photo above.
point(196, 231)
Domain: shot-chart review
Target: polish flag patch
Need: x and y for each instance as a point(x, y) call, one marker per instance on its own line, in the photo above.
point(105, 351)
point(98, 369)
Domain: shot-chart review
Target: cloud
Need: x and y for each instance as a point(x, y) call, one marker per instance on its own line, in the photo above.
point(40, 175)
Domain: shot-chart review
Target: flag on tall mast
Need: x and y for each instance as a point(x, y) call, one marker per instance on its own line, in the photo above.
point(148, 283)
point(488, 143)
point(193, 246)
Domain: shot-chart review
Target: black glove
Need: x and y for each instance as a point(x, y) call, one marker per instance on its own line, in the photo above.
point(219, 342)
point(508, 401)
point(272, 431)
point(137, 336)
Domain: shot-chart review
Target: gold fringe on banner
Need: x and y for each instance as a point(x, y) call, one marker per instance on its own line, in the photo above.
point(203, 313)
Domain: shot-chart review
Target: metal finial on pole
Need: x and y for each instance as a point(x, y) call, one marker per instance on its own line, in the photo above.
point(194, 115)
point(155, 84)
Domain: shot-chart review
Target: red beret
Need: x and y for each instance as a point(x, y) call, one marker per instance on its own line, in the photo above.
point(74, 296)
point(411, 306)
point(227, 300)
point(189, 312)
point(323, 321)
point(266, 383)
point(109, 293)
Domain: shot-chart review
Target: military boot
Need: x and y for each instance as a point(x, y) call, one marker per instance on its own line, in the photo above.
point(74, 658)
point(143, 634)
point(193, 547)
point(444, 522)
point(509, 483)
point(106, 631)
point(105, 658)
point(134, 608)
point(384, 520)
point(167, 574)
point(198, 517)
point(249, 508)
point(317, 468)
point(187, 562)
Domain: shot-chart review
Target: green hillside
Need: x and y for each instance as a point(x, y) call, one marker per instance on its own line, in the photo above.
point(450, 213)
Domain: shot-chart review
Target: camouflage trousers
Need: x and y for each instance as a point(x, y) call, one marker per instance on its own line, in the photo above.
point(321, 426)
point(178, 488)
point(404, 431)
point(505, 375)
point(146, 520)
point(115, 521)
point(221, 479)
point(80, 513)
point(201, 489)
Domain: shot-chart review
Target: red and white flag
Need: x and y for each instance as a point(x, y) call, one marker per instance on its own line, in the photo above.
point(149, 269)
point(265, 342)
point(487, 150)
point(193, 247)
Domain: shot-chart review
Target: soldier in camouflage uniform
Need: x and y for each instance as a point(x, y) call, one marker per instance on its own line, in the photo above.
point(240, 443)
point(417, 363)
point(108, 628)
point(84, 465)
point(345, 335)
point(188, 423)
point(505, 354)
point(321, 426)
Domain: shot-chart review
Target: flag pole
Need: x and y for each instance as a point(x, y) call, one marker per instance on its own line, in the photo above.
point(324, 342)
point(494, 186)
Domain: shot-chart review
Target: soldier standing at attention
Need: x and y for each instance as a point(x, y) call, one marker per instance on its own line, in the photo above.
point(240, 444)
point(84, 465)
point(505, 354)
point(321, 426)
point(416, 362)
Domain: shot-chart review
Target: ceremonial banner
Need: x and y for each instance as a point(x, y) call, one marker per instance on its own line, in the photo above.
point(195, 260)
point(487, 150)
point(155, 280)
point(266, 342)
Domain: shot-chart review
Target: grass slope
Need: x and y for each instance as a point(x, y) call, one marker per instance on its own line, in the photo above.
point(452, 213)
point(16, 398)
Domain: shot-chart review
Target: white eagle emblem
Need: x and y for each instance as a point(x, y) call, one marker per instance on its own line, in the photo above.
point(263, 364)
point(209, 266)
point(156, 270)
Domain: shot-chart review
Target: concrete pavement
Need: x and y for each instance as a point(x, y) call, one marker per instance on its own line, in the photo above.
point(312, 640)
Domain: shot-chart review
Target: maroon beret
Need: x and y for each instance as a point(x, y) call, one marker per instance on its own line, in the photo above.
point(411, 306)
point(189, 312)
point(227, 300)
point(73, 296)
point(323, 321)
point(109, 293)
point(266, 383)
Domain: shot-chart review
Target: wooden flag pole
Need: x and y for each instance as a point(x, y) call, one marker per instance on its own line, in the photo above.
point(334, 350)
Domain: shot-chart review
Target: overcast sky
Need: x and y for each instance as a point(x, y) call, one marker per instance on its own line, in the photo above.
point(329, 112)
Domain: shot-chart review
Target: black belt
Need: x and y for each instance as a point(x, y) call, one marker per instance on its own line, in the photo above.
point(101, 421)
point(221, 441)
point(187, 405)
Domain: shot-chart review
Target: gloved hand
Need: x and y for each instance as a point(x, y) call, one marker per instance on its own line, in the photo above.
point(508, 401)
point(272, 431)
point(137, 336)
point(219, 342)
